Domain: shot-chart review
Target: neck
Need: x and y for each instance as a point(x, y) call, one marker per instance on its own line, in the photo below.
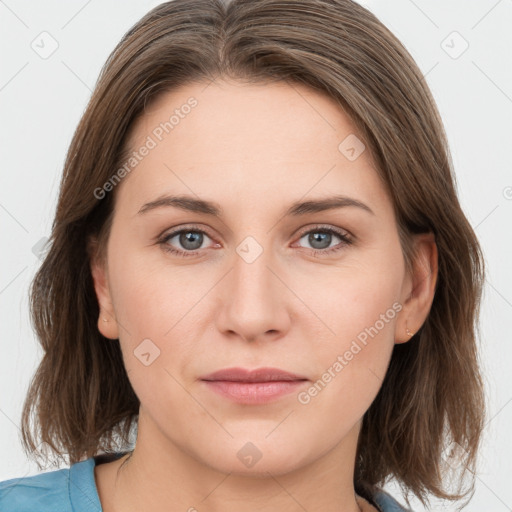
point(161, 476)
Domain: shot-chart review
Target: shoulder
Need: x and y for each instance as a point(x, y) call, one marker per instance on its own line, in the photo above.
point(387, 503)
point(60, 490)
point(43, 492)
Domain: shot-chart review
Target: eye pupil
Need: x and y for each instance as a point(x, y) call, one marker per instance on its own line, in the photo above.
point(322, 237)
point(188, 237)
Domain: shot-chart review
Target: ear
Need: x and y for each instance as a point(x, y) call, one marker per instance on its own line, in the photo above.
point(107, 324)
point(418, 288)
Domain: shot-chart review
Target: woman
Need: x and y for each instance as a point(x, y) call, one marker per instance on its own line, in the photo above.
point(258, 263)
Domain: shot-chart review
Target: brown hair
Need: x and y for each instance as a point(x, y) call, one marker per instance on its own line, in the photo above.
point(80, 395)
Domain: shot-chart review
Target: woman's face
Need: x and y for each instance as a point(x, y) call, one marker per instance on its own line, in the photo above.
point(252, 279)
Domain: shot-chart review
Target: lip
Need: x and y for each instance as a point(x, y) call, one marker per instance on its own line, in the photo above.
point(266, 374)
point(258, 386)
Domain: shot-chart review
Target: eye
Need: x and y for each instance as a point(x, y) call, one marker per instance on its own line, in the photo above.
point(321, 237)
point(191, 239)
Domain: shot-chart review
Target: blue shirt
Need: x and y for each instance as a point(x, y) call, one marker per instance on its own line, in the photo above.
point(74, 490)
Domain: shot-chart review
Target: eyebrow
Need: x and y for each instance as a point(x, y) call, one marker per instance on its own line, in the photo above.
point(192, 204)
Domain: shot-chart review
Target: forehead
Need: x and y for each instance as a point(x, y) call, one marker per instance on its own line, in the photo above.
point(226, 139)
point(240, 119)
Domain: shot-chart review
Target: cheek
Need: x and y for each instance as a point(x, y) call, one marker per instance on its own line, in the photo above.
point(350, 367)
point(161, 308)
point(151, 296)
point(354, 341)
point(344, 303)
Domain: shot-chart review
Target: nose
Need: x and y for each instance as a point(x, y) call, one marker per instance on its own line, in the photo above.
point(253, 300)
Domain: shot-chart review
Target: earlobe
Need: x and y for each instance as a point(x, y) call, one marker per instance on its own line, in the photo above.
point(107, 324)
point(419, 289)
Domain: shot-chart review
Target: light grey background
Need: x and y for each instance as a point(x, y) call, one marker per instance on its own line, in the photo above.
point(42, 99)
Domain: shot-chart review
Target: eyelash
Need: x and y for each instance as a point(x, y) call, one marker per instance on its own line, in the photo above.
point(345, 240)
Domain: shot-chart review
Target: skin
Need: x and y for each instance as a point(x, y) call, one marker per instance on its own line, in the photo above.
point(253, 149)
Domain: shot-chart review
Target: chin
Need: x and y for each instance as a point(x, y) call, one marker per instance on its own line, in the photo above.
point(258, 458)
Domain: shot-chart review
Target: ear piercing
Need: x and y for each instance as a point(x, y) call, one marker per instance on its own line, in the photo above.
point(408, 332)
point(105, 319)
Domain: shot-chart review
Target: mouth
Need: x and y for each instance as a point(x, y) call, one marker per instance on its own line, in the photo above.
point(257, 386)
